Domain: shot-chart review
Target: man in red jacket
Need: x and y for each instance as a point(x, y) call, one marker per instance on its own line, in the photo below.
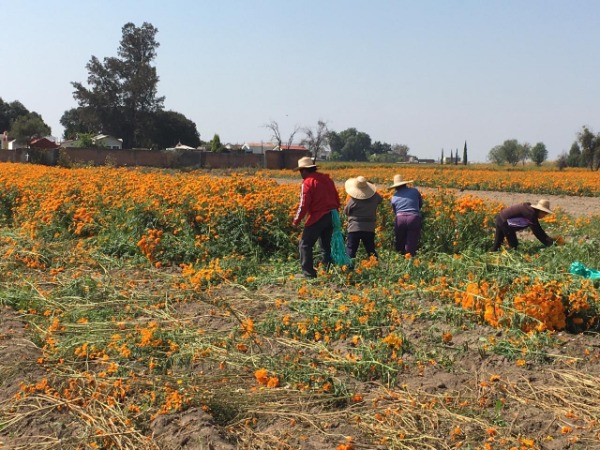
point(318, 197)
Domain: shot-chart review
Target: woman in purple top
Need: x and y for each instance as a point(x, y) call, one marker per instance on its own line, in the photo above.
point(406, 203)
point(518, 217)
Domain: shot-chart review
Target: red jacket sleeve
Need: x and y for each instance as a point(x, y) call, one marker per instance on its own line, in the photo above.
point(305, 199)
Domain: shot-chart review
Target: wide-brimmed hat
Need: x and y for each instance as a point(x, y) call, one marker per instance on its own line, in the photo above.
point(398, 181)
point(359, 188)
point(543, 205)
point(305, 162)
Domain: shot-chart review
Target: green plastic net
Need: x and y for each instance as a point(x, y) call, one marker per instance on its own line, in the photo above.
point(338, 246)
point(578, 268)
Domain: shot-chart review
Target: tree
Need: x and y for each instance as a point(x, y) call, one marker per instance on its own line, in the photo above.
point(79, 120)
point(276, 134)
point(85, 140)
point(539, 154)
point(215, 144)
point(28, 127)
point(524, 152)
point(496, 155)
point(316, 140)
point(465, 160)
point(349, 145)
point(122, 91)
point(380, 148)
point(401, 150)
point(590, 148)
point(510, 151)
point(442, 157)
point(169, 128)
point(574, 157)
point(562, 161)
point(9, 112)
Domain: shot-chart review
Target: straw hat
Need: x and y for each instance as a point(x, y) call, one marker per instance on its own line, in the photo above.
point(398, 181)
point(543, 205)
point(359, 188)
point(305, 162)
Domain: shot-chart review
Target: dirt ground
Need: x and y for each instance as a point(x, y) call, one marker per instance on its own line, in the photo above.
point(575, 206)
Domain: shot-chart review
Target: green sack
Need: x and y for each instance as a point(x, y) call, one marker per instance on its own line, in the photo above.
point(579, 269)
point(338, 246)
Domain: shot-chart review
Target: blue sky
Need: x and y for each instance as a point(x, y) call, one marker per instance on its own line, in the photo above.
point(427, 74)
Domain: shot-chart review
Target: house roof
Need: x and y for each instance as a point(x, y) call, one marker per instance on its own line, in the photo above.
point(259, 144)
point(43, 143)
point(293, 147)
point(105, 136)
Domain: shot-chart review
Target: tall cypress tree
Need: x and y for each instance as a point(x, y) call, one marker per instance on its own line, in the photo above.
point(465, 160)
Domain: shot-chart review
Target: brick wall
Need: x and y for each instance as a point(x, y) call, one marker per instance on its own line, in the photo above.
point(286, 159)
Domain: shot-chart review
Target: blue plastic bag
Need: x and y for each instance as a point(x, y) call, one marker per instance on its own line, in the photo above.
point(338, 246)
point(579, 269)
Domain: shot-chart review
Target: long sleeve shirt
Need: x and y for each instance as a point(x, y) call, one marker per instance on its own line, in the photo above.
point(318, 196)
point(407, 200)
point(362, 214)
point(530, 214)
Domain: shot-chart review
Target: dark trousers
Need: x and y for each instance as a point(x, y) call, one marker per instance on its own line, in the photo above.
point(321, 230)
point(504, 231)
point(408, 232)
point(354, 239)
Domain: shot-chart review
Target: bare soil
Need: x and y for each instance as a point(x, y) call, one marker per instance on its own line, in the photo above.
point(575, 206)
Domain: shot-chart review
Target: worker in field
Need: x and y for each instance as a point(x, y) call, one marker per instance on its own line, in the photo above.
point(361, 211)
point(318, 198)
point(519, 217)
point(406, 204)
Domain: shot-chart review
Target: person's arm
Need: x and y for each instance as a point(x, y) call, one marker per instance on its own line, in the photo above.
point(348, 207)
point(303, 207)
point(539, 233)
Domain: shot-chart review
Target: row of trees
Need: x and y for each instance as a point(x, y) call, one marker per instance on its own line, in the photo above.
point(512, 152)
point(454, 158)
point(585, 152)
point(347, 145)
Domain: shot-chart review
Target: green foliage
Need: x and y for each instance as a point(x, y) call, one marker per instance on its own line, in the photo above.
point(349, 145)
point(510, 152)
point(539, 153)
point(28, 127)
point(590, 148)
point(215, 144)
point(9, 112)
point(122, 90)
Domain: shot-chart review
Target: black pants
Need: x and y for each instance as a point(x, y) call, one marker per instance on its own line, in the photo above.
point(354, 239)
point(321, 230)
point(504, 231)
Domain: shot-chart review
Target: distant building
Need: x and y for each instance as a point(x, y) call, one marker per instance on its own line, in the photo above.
point(258, 148)
point(180, 146)
point(291, 147)
point(107, 141)
point(43, 143)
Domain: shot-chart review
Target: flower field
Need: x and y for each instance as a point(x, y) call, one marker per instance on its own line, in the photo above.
point(146, 309)
point(576, 182)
